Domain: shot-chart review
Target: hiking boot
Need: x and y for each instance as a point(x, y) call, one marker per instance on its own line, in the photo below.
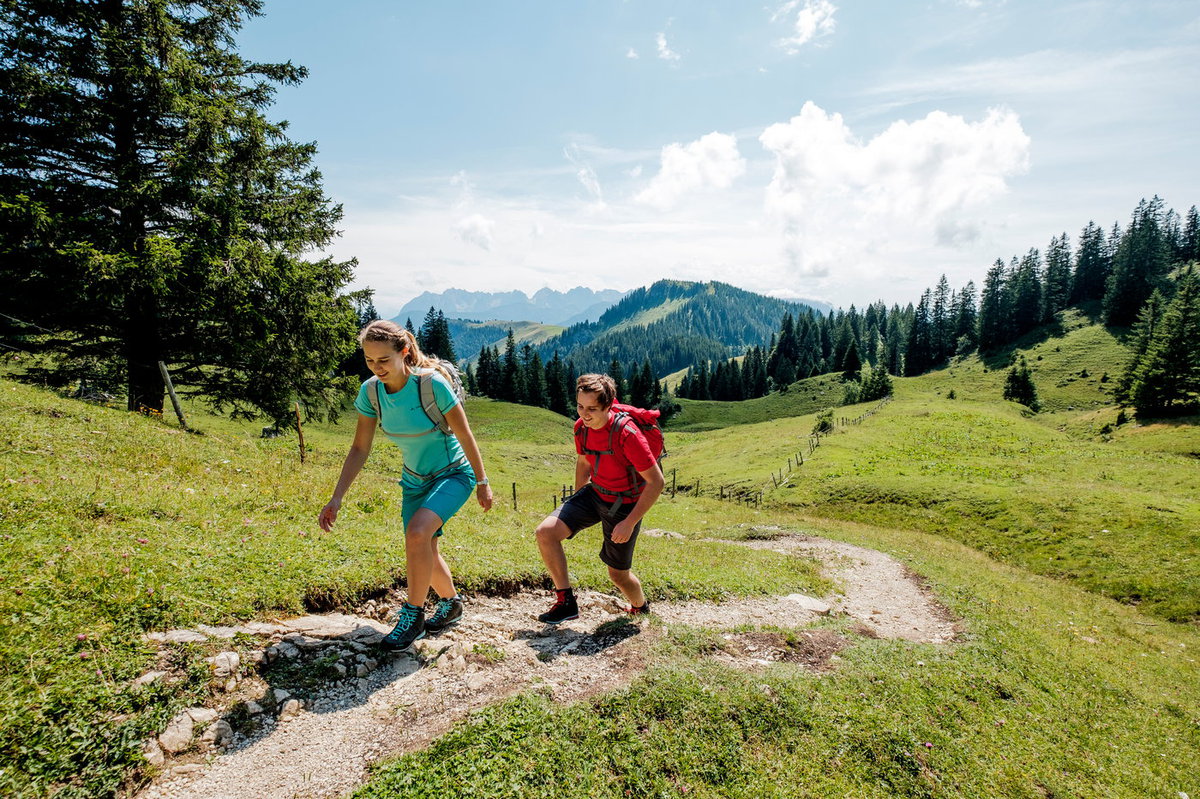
point(447, 613)
point(410, 627)
point(564, 609)
point(639, 610)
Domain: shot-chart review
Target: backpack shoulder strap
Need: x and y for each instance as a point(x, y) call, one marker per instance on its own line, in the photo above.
point(429, 402)
point(373, 398)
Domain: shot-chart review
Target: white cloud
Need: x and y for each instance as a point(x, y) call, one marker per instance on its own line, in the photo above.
point(710, 161)
point(813, 20)
point(840, 201)
point(475, 229)
point(665, 52)
point(631, 53)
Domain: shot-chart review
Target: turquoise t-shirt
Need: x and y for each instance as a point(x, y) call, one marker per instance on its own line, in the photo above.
point(426, 449)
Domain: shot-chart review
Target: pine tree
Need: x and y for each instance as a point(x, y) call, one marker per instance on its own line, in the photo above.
point(1144, 330)
point(852, 364)
point(1191, 237)
point(1091, 265)
point(1167, 378)
point(1027, 293)
point(1139, 265)
point(511, 388)
point(1057, 288)
point(533, 378)
point(966, 321)
point(994, 316)
point(1019, 386)
point(918, 351)
point(618, 375)
point(150, 212)
point(560, 401)
point(941, 323)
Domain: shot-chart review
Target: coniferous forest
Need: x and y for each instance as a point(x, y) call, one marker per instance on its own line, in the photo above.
point(1140, 277)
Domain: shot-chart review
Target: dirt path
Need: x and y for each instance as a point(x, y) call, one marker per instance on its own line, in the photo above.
point(500, 649)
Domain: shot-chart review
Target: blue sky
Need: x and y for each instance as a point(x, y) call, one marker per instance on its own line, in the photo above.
point(842, 151)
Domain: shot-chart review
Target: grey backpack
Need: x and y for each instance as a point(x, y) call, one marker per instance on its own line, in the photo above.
point(425, 392)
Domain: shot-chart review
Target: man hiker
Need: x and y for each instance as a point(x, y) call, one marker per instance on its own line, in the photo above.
point(617, 479)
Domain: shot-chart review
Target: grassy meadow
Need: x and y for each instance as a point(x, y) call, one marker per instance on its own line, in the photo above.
point(1068, 547)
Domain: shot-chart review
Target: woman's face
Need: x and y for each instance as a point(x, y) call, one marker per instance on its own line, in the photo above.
point(384, 360)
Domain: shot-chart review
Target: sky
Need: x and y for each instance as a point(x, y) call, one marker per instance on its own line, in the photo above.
point(841, 150)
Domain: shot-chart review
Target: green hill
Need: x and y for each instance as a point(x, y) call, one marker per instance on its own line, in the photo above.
point(471, 336)
point(673, 324)
point(1027, 527)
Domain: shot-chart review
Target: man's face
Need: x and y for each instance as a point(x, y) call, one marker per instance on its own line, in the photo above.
point(593, 414)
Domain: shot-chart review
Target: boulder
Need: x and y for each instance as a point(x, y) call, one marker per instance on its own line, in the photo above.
point(178, 734)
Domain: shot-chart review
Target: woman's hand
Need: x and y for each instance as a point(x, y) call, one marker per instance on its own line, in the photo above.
point(483, 493)
point(329, 514)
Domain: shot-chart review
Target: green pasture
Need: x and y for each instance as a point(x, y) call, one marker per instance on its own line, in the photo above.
point(113, 525)
point(1065, 544)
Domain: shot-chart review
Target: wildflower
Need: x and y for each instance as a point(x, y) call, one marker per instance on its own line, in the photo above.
point(143, 540)
point(81, 637)
point(124, 570)
point(190, 490)
point(84, 655)
point(927, 745)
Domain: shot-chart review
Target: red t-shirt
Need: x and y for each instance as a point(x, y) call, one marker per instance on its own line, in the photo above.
point(629, 448)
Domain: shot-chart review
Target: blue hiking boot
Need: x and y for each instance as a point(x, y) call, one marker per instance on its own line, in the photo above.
point(447, 614)
point(408, 629)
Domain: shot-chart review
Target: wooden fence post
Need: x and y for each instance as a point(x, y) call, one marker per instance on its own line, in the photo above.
point(162, 368)
point(514, 496)
point(299, 430)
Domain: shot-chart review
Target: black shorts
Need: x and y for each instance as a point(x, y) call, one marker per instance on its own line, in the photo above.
point(584, 508)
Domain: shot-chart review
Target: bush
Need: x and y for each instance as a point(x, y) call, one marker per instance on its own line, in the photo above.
point(824, 422)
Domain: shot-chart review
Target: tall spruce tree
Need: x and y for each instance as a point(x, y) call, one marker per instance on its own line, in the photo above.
point(918, 351)
point(149, 211)
point(994, 315)
point(512, 386)
point(1091, 265)
point(1139, 264)
point(1166, 377)
point(1056, 291)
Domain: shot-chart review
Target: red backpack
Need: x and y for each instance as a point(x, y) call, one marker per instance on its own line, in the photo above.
point(647, 422)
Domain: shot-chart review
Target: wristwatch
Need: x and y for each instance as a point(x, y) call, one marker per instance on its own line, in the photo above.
point(483, 482)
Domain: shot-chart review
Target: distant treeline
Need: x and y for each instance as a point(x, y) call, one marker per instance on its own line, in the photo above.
point(1128, 272)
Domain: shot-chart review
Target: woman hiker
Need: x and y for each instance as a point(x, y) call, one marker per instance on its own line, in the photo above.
point(606, 492)
point(442, 465)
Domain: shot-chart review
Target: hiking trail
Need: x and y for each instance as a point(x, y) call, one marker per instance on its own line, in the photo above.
point(401, 702)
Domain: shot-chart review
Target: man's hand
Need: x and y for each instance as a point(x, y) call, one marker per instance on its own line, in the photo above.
point(623, 531)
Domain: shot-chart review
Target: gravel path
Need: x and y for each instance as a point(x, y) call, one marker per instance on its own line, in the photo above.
point(500, 649)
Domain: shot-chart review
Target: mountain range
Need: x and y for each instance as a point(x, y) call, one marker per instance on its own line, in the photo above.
point(546, 306)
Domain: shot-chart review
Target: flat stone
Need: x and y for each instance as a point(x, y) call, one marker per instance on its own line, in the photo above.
point(178, 637)
point(254, 708)
point(187, 768)
point(811, 604)
point(282, 696)
point(201, 715)
point(178, 734)
point(224, 664)
point(218, 734)
point(286, 650)
point(153, 753)
point(291, 708)
point(262, 628)
point(218, 632)
point(150, 678)
point(361, 670)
